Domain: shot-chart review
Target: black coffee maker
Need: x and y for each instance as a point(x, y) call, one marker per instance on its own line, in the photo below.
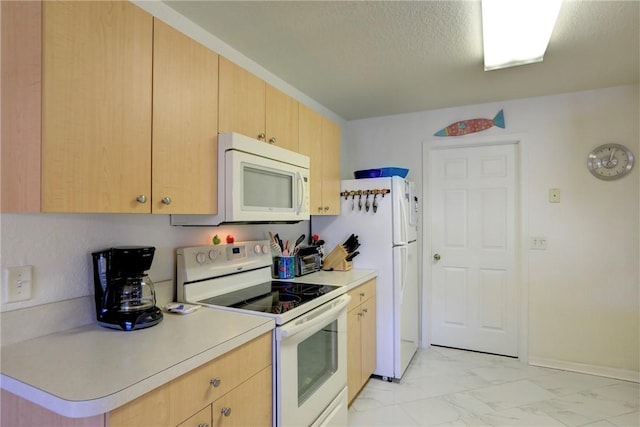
point(124, 294)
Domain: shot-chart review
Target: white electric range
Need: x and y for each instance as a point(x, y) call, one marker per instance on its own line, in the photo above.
point(310, 372)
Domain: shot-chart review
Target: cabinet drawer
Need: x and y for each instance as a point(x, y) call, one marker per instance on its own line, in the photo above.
point(362, 293)
point(203, 385)
point(201, 419)
point(177, 401)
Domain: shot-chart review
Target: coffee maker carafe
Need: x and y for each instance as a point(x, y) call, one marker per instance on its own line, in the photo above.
point(124, 294)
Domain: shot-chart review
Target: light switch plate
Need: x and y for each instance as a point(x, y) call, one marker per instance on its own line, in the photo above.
point(539, 243)
point(18, 283)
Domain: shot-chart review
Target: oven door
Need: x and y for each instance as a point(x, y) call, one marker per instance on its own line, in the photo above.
point(311, 366)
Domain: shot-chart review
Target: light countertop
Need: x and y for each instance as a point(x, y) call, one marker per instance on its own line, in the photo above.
point(92, 370)
point(351, 278)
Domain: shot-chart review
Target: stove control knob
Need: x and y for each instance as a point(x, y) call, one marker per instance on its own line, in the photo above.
point(265, 249)
point(212, 255)
point(201, 257)
point(257, 249)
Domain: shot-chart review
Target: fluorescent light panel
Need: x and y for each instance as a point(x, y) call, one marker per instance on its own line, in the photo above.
point(516, 32)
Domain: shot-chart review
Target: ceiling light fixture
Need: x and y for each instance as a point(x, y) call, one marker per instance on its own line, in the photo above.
point(516, 32)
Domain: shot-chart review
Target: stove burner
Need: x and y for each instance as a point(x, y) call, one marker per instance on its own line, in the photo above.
point(272, 303)
point(304, 289)
point(271, 297)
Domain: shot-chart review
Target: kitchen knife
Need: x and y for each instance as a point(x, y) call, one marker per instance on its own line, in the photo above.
point(349, 242)
point(352, 256)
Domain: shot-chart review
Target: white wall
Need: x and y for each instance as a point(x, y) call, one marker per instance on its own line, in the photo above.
point(582, 293)
point(59, 247)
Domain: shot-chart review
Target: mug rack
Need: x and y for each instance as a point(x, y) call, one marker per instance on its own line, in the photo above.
point(366, 193)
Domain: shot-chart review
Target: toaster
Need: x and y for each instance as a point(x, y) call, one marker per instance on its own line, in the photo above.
point(308, 260)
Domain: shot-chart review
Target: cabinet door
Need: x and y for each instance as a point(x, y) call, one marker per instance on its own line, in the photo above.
point(249, 404)
point(368, 338)
point(330, 167)
point(242, 101)
point(354, 357)
point(152, 408)
point(19, 412)
point(310, 144)
point(96, 135)
point(185, 131)
point(281, 119)
point(21, 105)
point(201, 419)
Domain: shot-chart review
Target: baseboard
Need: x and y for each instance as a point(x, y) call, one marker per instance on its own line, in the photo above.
point(602, 371)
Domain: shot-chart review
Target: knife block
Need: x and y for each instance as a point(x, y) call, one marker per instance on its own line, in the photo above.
point(336, 260)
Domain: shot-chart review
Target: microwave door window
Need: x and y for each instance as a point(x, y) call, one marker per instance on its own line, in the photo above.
point(264, 188)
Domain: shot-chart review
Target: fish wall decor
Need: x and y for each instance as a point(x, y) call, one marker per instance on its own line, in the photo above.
point(464, 127)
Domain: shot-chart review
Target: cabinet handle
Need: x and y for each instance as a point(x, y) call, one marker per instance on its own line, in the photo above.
point(365, 310)
point(360, 314)
point(319, 209)
point(262, 136)
point(272, 140)
point(215, 382)
point(362, 294)
point(225, 411)
point(141, 198)
point(326, 208)
point(203, 425)
point(166, 200)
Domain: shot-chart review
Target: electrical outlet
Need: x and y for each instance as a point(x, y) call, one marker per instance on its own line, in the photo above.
point(539, 243)
point(18, 283)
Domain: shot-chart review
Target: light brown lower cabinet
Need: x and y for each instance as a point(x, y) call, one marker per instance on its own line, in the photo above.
point(361, 337)
point(234, 389)
point(243, 406)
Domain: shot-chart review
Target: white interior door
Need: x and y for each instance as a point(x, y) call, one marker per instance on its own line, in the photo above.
point(474, 301)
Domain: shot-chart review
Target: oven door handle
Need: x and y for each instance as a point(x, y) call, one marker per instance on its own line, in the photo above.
point(316, 317)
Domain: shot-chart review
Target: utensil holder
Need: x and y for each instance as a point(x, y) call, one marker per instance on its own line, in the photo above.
point(336, 260)
point(284, 267)
point(343, 265)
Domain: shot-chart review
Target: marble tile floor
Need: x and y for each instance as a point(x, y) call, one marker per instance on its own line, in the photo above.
point(447, 387)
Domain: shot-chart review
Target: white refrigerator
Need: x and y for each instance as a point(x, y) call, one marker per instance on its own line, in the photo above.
point(384, 216)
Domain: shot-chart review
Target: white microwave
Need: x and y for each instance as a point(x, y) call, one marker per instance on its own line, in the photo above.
point(257, 183)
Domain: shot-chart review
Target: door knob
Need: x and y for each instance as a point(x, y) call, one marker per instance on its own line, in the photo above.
point(436, 257)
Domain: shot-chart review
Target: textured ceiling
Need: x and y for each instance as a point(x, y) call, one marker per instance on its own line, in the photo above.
point(374, 58)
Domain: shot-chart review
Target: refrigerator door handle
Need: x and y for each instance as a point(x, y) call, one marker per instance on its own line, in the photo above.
point(404, 255)
point(404, 219)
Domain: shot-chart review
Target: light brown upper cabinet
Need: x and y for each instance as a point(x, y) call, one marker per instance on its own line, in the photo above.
point(93, 99)
point(311, 145)
point(96, 106)
point(330, 167)
point(281, 121)
point(320, 140)
point(185, 124)
point(248, 105)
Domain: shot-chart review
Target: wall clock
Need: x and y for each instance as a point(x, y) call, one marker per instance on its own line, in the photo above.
point(610, 161)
